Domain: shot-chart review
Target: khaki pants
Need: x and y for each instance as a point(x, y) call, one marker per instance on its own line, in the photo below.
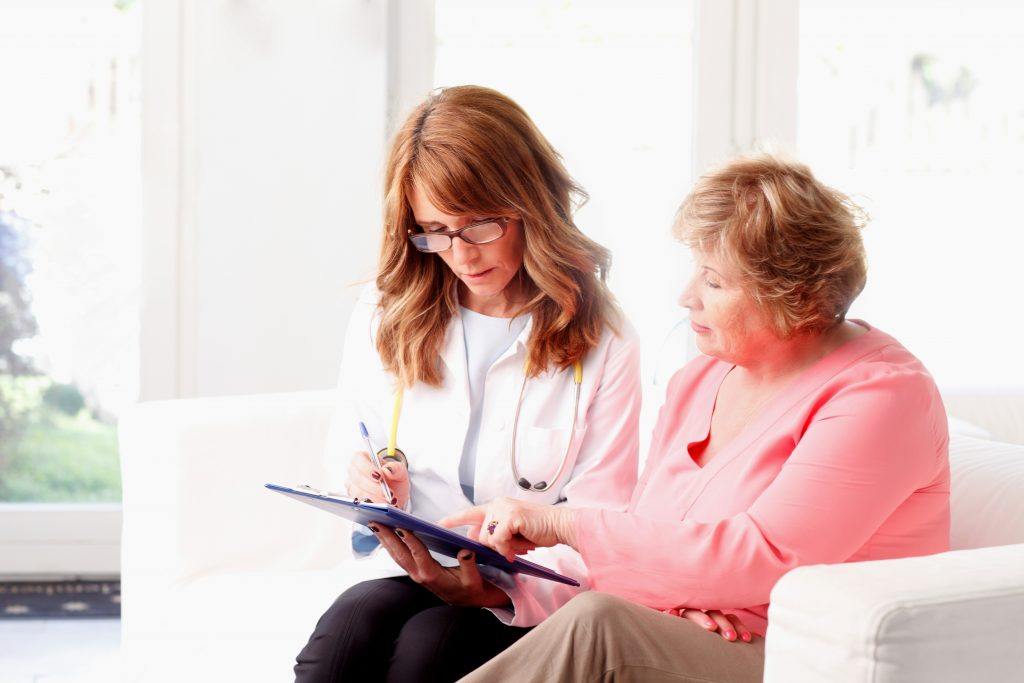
point(599, 637)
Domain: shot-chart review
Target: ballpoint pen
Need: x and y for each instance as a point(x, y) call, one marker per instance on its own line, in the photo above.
point(389, 497)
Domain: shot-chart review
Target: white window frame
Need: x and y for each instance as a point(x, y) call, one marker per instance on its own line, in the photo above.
point(61, 540)
point(745, 56)
point(745, 89)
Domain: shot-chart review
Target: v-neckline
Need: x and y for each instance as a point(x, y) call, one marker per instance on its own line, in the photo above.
point(707, 424)
point(812, 374)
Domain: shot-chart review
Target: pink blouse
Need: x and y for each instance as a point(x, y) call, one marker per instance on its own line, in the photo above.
point(848, 463)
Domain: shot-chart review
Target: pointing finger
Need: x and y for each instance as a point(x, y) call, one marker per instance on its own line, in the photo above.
point(473, 516)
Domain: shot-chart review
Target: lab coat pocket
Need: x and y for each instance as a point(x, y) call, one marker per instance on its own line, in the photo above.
point(540, 454)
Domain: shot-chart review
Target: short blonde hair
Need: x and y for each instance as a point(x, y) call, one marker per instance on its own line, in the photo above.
point(795, 241)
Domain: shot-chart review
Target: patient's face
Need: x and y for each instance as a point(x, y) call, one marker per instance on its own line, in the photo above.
point(725, 318)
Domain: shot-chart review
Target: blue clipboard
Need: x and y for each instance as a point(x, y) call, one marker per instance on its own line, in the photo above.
point(437, 538)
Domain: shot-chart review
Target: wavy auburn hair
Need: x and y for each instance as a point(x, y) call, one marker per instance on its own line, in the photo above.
point(473, 151)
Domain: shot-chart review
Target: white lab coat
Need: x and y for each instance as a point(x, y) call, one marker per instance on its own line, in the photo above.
point(601, 470)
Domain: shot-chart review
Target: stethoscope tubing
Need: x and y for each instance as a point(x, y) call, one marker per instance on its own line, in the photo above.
point(542, 486)
point(520, 481)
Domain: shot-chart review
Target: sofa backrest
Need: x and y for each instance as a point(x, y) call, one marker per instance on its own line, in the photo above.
point(986, 492)
point(999, 414)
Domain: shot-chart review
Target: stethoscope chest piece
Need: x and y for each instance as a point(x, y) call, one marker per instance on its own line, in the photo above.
point(397, 456)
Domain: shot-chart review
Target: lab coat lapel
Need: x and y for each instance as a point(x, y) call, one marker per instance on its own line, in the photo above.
point(453, 355)
point(448, 437)
point(492, 467)
point(519, 343)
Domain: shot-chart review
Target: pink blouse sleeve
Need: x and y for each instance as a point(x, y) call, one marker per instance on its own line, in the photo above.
point(865, 451)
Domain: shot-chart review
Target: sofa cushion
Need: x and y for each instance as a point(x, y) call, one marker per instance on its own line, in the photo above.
point(239, 626)
point(986, 492)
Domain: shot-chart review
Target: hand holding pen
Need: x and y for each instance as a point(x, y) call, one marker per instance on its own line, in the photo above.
point(374, 481)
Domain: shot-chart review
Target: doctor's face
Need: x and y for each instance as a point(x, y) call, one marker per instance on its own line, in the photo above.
point(485, 269)
point(725, 318)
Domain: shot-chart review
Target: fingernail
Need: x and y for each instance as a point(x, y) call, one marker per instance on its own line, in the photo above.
point(729, 635)
point(394, 501)
point(367, 500)
point(467, 555)
point(375, 475)
point(373, 528)
point(399, 532)
point(710, 625)
point(746, 637)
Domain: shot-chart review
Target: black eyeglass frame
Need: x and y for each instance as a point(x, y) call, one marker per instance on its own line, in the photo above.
point(502, 222)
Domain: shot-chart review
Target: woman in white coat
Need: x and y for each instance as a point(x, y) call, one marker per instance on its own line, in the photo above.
point(491, 359)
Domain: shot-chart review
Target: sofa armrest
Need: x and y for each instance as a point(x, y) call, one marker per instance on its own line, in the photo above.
point(946, 617)
point(193, 473)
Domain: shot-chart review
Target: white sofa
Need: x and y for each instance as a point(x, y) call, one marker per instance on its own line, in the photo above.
point(224, 580)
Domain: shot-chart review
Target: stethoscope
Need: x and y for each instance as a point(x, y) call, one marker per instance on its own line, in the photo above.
point(392, 451)
point(689, 346)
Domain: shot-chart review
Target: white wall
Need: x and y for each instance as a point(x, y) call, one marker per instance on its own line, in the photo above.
point(264, 129)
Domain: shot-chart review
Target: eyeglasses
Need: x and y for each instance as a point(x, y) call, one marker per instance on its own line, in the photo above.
point(478, 233)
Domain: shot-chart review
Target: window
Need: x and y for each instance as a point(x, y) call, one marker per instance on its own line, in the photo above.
point(617, 107)
point(916, 110)
point(69, 214)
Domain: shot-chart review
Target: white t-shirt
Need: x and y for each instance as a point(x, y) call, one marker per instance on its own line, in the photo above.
point(486, 339)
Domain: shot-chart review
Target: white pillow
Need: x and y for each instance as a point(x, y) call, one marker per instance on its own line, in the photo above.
point(986, 492)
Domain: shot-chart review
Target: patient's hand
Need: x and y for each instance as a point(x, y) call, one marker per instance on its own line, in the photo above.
point(513, 527)
point(364, 485)
point(460, 585)
point(729, 625)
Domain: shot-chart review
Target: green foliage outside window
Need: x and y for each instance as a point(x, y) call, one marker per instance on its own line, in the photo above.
point(52, 447)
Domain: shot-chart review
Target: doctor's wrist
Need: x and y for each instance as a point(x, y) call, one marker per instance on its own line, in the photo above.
point(495, 597)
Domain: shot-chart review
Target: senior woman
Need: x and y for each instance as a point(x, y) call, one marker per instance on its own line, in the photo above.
point(492, 359)
point(799, 437)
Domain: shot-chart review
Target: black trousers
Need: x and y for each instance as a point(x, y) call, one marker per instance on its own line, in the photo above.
point(393, 629)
